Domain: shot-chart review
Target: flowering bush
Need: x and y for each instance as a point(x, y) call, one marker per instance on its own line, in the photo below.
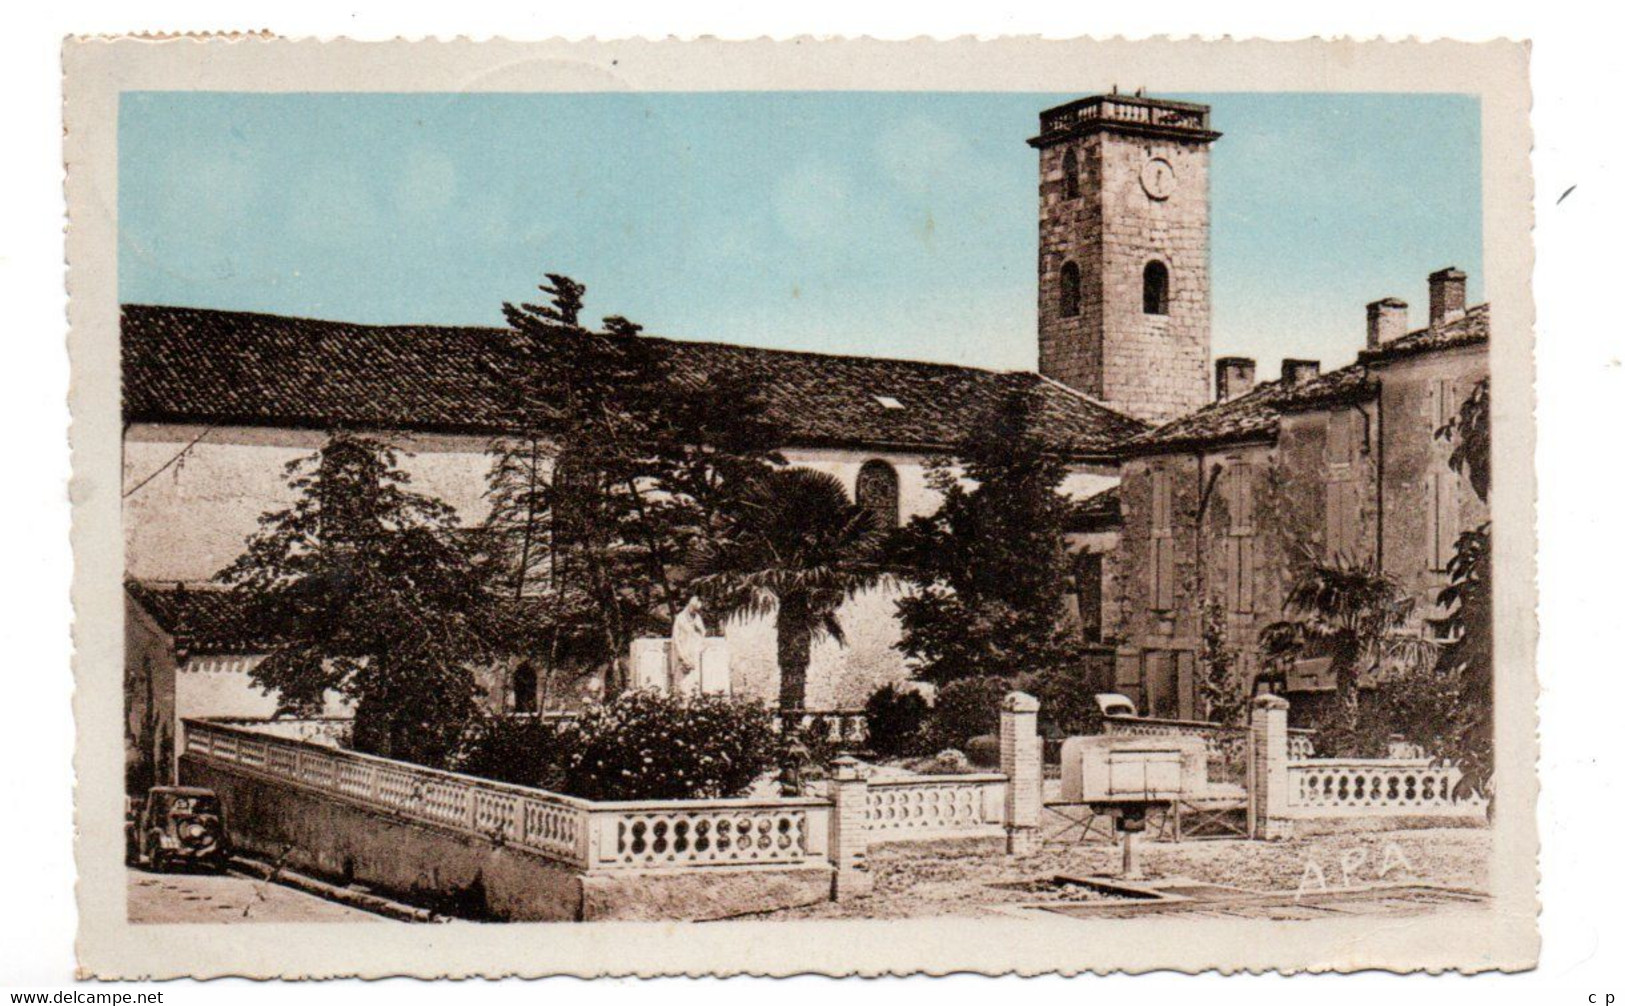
point(647, 746)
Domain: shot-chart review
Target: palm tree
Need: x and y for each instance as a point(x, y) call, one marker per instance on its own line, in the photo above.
point(795, 545)
point(1352, 613)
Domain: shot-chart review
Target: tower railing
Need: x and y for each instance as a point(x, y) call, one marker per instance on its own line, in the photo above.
point(1124, 110)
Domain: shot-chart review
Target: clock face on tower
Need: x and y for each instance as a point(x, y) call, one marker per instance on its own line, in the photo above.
point(1157, 178)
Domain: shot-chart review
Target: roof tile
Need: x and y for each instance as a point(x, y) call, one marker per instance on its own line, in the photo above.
point(229, 367)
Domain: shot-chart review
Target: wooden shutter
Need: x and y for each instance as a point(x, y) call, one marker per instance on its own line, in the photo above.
point(1244, 575)
point(1162, 542)
point(1334, 519)
point(1165, 573)
point(1159, 501)
point(1434, 511)
point(1338, 439)
point(1130, 677)
point(1442, 519)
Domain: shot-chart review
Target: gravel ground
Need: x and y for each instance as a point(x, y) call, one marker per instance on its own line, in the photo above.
point(959, 878)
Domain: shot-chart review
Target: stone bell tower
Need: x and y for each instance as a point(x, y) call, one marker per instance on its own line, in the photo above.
point(1124, 308)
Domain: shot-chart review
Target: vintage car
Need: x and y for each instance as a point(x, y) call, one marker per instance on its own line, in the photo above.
point(175, 826)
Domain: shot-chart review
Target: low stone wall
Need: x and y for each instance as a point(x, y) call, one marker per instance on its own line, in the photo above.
point(421, 864)
point(927, 808)
point(1409, 788)
point(480, 849)
point(477, 848)
point(1294, 795)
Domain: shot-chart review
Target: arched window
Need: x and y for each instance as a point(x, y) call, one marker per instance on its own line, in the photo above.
point(1071, 290)
point(1156, 288)
point(524, 688)
point(1069, 172)
point(877, 492)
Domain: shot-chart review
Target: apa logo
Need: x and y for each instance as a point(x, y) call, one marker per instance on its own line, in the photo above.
point(1351, 862)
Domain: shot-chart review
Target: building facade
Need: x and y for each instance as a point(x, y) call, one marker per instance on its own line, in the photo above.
point(1221, 509)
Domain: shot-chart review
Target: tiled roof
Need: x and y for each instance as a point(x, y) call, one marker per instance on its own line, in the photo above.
point(1246, 417)
point(1345, 384)
point(203, 619)
point(226, 367)
point(1255, 416)
point(207, 619)
point(1102, 510)
point(1472, 327)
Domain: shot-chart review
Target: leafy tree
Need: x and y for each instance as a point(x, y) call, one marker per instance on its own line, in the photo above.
point(791, 545)
point(1354, 614)
point(371, 591)
point(615, 465)
point(1467, 662)
point(990, 566)
point(565, 299)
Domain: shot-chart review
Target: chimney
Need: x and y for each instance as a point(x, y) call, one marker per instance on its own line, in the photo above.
point(1233, 377)
point(1447, 296)
point(1296, 372)
point(1385, 321)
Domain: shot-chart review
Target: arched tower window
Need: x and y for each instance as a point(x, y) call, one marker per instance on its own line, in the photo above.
point(524, 688)
point(1071, 290)
point(1069, 172)
point(1156, 288)
point(877, 492)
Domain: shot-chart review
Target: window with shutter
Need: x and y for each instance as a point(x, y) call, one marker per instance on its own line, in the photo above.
point(1442, 523)
point(1162, 542)
point(1342, 518)
point(1337, 439)
point(1244, 576)
point(1441, 400)
point(1238, 486)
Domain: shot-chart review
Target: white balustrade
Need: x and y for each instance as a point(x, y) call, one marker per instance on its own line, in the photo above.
point(1360, 787)
point(713, 833)
point(626, 835)
point(929, 807)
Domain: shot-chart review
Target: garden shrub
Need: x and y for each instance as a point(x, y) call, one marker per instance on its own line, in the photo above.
point(647, 746)
point(983, 751)
point(966, 708)
point(522, 750)
point(896, 721)
point(1066, 702)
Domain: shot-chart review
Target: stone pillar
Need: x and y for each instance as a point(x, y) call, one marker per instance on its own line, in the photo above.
point(848, 832)
point(1267, 774)
point(1021, 759)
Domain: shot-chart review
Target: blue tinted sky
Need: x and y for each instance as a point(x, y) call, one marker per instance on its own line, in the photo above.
point(899, 224)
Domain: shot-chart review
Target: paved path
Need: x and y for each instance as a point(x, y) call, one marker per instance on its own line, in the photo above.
point(231, 897)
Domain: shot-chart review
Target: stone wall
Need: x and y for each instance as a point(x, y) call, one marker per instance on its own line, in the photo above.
point(1413, 456)
point(470, 876)
point(149, 700)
